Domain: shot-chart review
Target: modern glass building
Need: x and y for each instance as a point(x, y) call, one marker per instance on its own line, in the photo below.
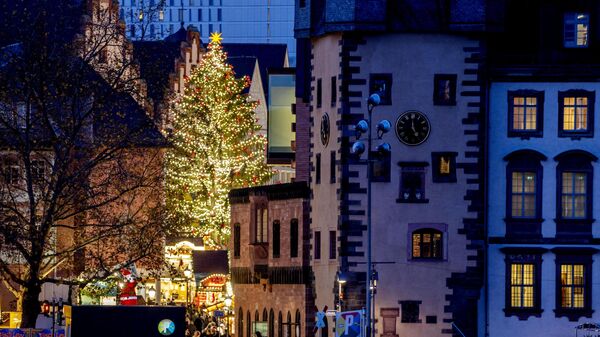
point(240, 21)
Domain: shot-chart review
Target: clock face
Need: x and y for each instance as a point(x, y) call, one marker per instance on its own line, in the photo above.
point(412, 128)
point(325, 129)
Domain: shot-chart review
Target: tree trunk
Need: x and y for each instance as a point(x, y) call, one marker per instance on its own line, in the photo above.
point(30, 305)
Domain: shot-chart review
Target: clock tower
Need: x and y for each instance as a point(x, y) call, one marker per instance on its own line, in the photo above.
point(426, 210)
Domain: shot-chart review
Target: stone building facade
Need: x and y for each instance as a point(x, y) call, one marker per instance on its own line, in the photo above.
point(270, 269)
point(426, 68)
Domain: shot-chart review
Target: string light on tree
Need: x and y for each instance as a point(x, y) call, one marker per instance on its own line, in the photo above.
point(215, 147)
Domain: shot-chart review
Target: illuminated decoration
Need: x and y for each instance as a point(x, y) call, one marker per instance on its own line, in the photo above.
point(216, 148)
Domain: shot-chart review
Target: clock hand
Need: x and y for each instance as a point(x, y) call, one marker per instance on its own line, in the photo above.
point(413, 125)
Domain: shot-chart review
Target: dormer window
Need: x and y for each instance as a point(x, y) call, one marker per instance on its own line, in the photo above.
point(576, 30)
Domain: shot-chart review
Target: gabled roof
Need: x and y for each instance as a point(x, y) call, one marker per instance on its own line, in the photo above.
point(243, 66)
point(156, 60)
point(269, 56)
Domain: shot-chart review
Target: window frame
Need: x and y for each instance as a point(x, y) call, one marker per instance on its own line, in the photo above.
point(539, 116)
point(523, 255)
point(430, 231)
point(437, 80)
point(576, 93)
point(571, 256)
point(261, 222)
point(276, 232)
point(237, 238)
point(407, 168)
point(380, 167)
point(436, 175)
point(317, 246)
point(576, 161)
point(294, 238)
point(574, 18)
point(387, 79)
point(319, 92)
point(524, 228)
point(317, 168)
point(332, 245)
point(405, 316)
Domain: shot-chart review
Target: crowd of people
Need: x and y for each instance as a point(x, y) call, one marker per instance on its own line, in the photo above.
point(202, 325)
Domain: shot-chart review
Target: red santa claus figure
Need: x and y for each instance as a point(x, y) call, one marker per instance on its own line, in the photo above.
point(128, 295)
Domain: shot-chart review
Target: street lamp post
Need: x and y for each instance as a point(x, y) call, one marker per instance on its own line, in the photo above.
point(341, 282)
point(357, 149)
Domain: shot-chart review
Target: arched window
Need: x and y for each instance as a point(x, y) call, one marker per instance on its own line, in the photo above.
point(298, 325)
point(265, 316)
point(288, 326)
point(248, 324)
point(574, 182)
point(271, 323)
point(240, 323)
point(280, 325)
point(427, 243)
point(237, 235)
point(524, 193)
point(256, 316)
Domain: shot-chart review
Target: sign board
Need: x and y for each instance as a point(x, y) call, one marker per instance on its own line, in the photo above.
point(349, 324)
point(218, 313)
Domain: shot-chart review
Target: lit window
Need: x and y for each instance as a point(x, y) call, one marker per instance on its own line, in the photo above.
point(525, 113)
point(427, 244)
point(523, 194)
point(260, 222)
point(576, 113)
point(161, 14)
point(576, 29)
point(522, 276)
point(572, 286)
point(574, 195)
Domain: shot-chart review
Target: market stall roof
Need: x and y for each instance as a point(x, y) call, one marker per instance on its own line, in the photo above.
point(210, 262)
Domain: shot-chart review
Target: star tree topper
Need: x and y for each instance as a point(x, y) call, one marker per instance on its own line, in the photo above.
point(215, 37)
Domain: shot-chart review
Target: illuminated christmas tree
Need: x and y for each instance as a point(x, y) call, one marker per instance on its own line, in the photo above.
point(215, 148)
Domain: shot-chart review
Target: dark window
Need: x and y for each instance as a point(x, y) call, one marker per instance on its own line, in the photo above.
point(574, 282)
point(431, 319)
point(333, 90)
point(249, 332)
point(260, 224)
point(381, 84)
point(294, 238)
point(318, 168)
point(103, 56)
point(297, 324)
point(523, 281)
point(38, 171)
point(219, 14)
point(525, 113)
point(332, 244)
point(574, 175)
point(524, 194)
point(319, 92)
point(236, 240)
point(241, 323)
point(427, 243)
point(280, 325)
point(180, 11)
point(12, 172)
point(317, 254)
point(302, 3)
point(576, 113)
point(271, 323)
point(444, 167)
point(332, 168)
point(276, 238)
point(410, 311)
point(576, 30)
point(444, 89)
point(381, 166)
point(412, 182)
point(199, 14)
